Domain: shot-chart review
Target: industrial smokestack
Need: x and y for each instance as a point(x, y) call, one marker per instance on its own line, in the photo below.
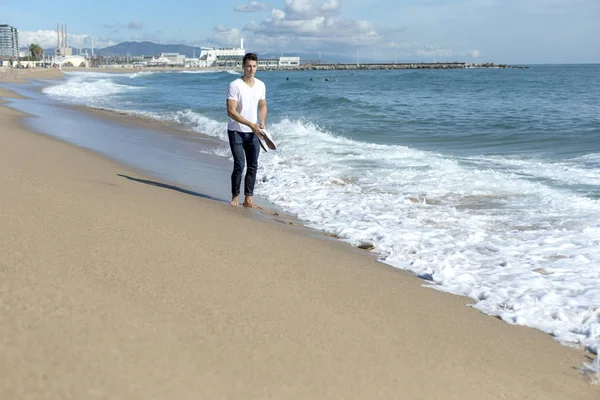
point(66, 37)
point(242, 43)
point(63, 35)
point(57, 36)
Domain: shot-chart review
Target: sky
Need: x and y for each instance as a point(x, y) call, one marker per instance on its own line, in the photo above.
point(499, 31)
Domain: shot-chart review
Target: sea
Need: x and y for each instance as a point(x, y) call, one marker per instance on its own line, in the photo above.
point(484, 182)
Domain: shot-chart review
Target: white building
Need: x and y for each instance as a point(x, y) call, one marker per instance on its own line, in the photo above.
point(9, 42)
point(232, 57)
point(279, 63)
point(270, 63)
point(70, 61)
point(219, 57)
point(289, 62)
point(168, 59)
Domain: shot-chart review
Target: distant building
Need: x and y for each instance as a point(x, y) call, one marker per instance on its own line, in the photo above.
point(270, 63)
point(175, 58)
point(289, 62)
point(168, 59)
point(279, 63)
point(219, 57)
point(62, 41)
point(9, 42)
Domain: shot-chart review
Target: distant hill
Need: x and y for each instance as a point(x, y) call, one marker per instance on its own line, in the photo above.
point(148, 49)
point(154, 49)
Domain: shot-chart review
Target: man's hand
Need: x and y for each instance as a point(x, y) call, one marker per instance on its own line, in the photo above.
point(256, 128)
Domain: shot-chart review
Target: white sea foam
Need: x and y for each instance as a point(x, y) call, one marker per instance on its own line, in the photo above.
point(92, 89)
point(523, 251)
point(199, 123)
point(569, 172)
point(142, 74)
point(593, 371)
point(189, 120)
point(592, 159)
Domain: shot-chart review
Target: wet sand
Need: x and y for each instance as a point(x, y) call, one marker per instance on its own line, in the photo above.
point(115, 285)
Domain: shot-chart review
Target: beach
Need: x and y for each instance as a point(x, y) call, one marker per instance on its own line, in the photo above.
point(118, 285)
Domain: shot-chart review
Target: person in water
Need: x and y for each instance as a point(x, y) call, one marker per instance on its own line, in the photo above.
point(246, 99)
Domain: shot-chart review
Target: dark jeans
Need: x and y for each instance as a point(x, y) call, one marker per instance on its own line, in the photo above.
point(245, 149)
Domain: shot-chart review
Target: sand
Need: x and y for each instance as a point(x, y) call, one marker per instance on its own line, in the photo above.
point(15, 75)
point(111, 287)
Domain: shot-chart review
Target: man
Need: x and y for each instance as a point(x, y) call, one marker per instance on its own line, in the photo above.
point(246, 98)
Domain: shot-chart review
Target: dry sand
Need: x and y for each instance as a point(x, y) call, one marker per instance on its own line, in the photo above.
point(114, 288)
point(14, 75)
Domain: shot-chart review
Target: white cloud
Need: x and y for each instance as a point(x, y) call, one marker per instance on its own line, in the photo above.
point(278, 14)
point(411, 51)
point(308, 9)
point(310, 25)
point(298, 22)
point(135, 25)
point(318, 26)
point(130, 25)
point(301, 9)
point(226, 37)
point(47, 39)
point(221, 28)
point(330, 6)
point(253, 6)
point(252, 27)
point(442, 54)
point(429, 52)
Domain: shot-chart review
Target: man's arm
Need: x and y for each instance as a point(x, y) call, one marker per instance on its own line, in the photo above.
point(262, 112)
point(233, 114)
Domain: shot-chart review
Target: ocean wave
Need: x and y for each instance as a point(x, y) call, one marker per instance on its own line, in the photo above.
point(199, 123)
point(523, 251)
point(95, 89)
point(566, 172)
point(186, 119)
point(141, 74)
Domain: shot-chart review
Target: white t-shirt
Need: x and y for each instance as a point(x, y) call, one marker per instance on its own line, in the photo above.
point(247, 98)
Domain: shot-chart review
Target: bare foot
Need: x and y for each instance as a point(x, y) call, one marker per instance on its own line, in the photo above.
point(252, 205)
point(248, 203)
point(235, 202)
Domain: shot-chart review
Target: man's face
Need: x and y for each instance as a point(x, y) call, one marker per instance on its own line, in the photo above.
point(250, 68)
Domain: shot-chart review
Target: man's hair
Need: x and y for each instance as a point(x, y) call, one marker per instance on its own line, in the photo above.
point(249, 57)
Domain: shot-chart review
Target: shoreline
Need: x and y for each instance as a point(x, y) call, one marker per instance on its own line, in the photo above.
point(326, 321)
